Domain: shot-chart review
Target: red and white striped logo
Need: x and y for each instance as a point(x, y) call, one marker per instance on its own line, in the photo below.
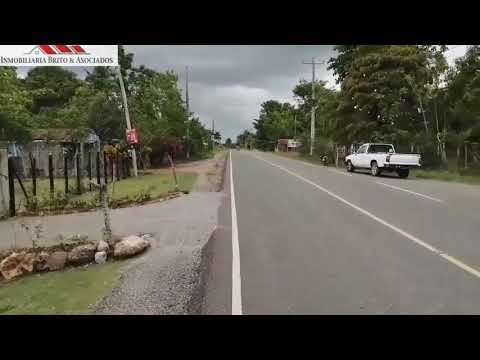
point(59, 50)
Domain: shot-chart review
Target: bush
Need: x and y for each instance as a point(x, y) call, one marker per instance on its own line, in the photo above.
point(83, 203)
point(33, 203)
point(56, 201)
point(143, 195)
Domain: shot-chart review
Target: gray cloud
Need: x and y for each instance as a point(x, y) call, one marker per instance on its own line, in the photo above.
point(229, 82)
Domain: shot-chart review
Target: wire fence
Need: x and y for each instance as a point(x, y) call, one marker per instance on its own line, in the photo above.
point(50, 171)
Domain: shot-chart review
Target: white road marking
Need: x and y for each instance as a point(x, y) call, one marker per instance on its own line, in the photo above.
point(409, 191)
point(416, 240)
point(236, 277)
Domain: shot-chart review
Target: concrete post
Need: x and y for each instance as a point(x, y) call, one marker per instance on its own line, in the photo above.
point(4, 197)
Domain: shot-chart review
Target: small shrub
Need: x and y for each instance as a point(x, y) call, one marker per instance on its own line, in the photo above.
point(32, 204)
point(143, 195)
point(79, 204)
point(55, 201)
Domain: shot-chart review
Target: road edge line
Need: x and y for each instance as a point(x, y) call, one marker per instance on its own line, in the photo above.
point(236, 275)
point(410, 192)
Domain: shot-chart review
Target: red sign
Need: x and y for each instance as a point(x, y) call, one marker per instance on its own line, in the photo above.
point(132, 137)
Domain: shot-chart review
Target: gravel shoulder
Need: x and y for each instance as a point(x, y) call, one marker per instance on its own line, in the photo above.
point(167, 279)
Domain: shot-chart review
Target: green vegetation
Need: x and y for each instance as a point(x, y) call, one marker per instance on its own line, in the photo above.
point(155, 185)
point(131, 190)
point(54, 97)
point(70, 291)
point(444, 175)
point(401, 94)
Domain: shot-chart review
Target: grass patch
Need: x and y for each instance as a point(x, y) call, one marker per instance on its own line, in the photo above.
point(145, 187)
point(445, 175)
point(156, 184)
point(70, 291)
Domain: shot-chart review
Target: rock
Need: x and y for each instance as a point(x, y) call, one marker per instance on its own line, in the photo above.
point(130, 246)
point(28, 263)
point(102, 246)
point(17, 264)
point(81, 255)
point(56, 260)
point(41, 261)
point(101, 257)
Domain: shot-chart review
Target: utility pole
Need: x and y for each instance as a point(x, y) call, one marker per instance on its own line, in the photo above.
point(213, 132)
point(312, 121)
point(127, 117)
point(188, 114)
point(295, 126)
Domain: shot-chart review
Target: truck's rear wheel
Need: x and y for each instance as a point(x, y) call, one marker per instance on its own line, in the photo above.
point(403, 173)
point(375, 169)
point(350, 167)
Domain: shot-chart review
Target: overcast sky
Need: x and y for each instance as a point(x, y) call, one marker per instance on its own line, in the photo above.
point(229, 82)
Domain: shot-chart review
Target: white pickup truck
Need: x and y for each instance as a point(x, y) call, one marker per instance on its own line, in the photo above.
point(382, 158)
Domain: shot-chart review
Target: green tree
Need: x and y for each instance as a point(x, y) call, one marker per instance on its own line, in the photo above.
point(276, 121)
point(385, 90)
point(15, 104)
point(50, 87)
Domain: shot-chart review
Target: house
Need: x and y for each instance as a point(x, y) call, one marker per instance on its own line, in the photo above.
point(288, 145)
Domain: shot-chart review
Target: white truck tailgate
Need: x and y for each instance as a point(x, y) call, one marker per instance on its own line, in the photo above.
point(405, 159)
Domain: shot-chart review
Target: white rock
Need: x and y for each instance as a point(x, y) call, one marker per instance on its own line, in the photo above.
point(102, 246)
point(130, 246)
point(100, 257)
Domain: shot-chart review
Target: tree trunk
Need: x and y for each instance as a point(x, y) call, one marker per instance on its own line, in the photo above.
point(107, 230)
point(423, 115)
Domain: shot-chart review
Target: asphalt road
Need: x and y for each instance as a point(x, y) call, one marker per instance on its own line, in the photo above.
point(317, 240)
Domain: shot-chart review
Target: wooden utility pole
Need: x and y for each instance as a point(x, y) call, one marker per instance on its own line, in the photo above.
point(127, 117)
point(312, 121)
point(295, 129)
point(187, 101)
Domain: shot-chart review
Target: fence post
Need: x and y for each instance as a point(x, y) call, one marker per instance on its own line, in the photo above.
point(98, 167)
point(117, 165)
point(127, 164)
point(336, 156)
point(11, 187)
point(111, 168)
point(50, 171)
point(65, 171)
point(173, 172)
point(79, 171)
point(105, 167)
point(33, 166)
point(90, 170)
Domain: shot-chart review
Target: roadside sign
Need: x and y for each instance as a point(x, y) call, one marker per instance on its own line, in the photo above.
point(132, 137)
